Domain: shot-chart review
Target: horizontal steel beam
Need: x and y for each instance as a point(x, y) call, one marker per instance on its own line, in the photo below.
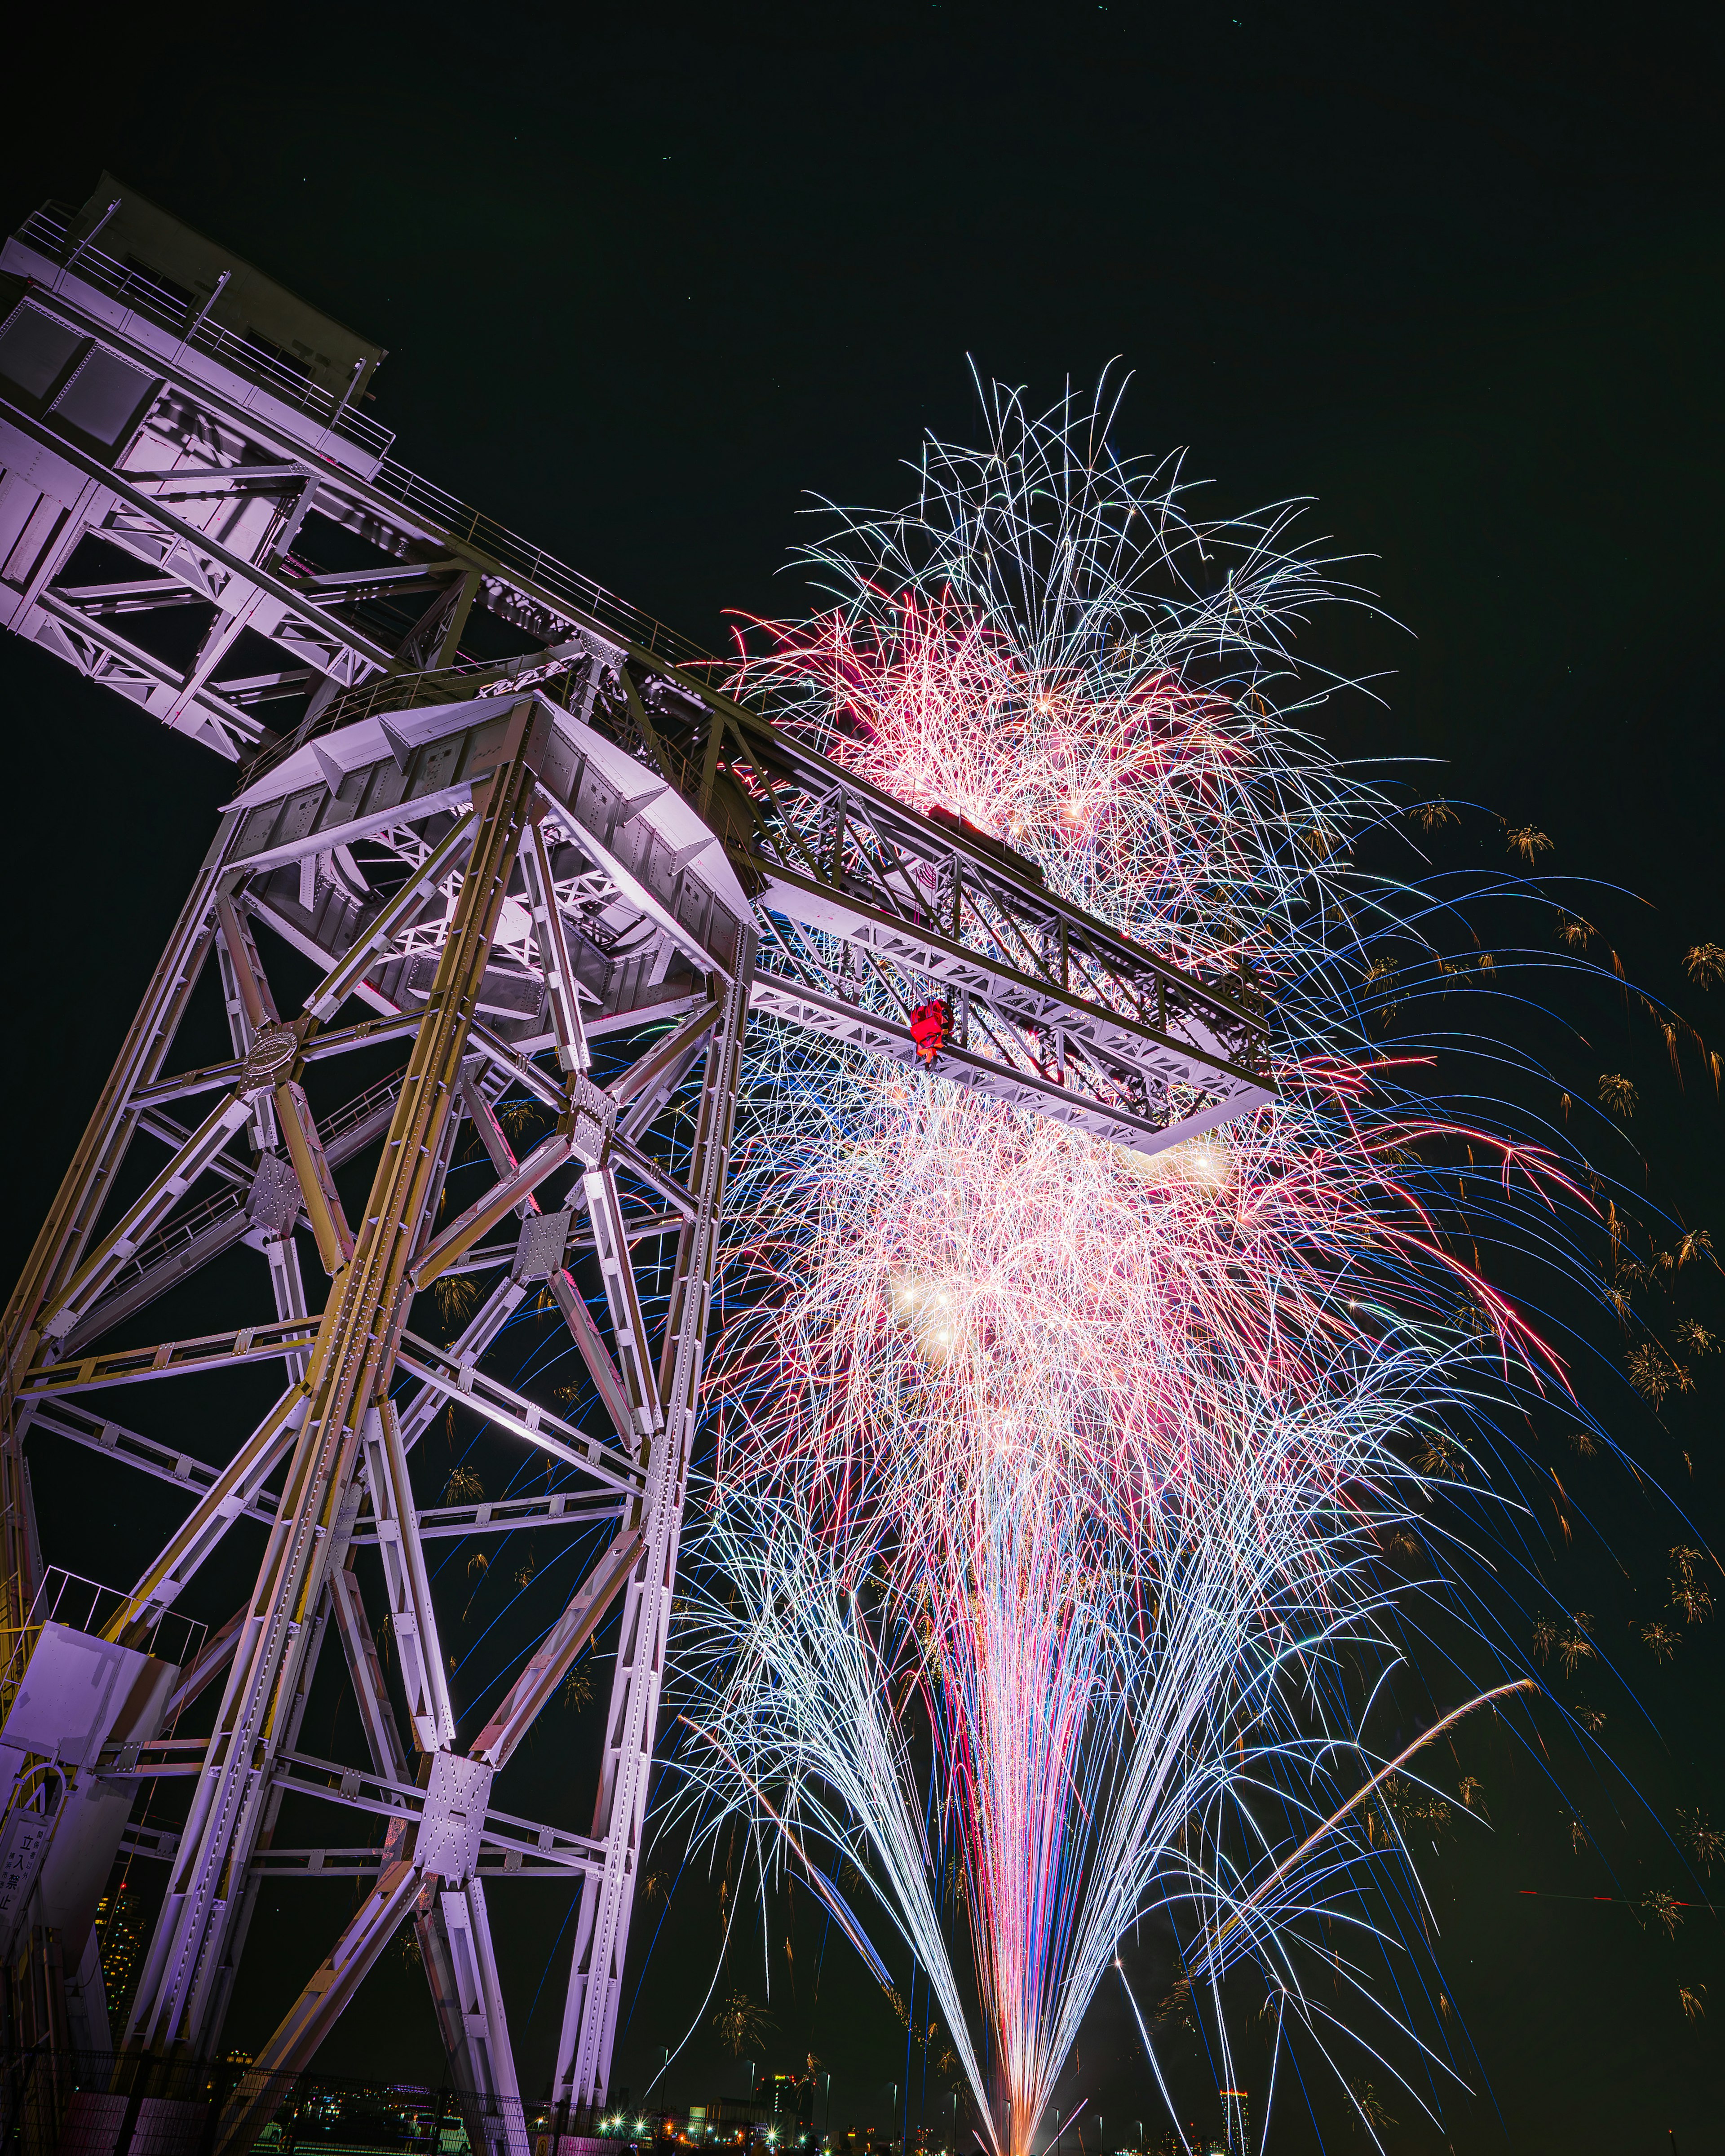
point(250, 575)
point(366, 1033)
point(301, 1773)
point(855, 1027)
point(498, 1516)
point(172, 1359)
point(114, 1442)
point(513, 1411)
point(192, 480)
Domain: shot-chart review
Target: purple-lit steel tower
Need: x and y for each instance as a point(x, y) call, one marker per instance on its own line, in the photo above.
point(529, 850)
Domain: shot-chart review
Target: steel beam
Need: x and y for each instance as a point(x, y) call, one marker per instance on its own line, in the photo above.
point(607, 1379)
point(523, 1418)
point(350, 1370)
point(590, 2023)
point(411, 1622)
point(72, 1220)
point(659, 828)
point(562, 993)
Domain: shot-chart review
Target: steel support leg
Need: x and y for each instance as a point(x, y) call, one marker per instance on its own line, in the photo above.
point(456, 1958)
point(589, 2026)
point(350, 1370)
point(222, 1990)
point(478, 1993)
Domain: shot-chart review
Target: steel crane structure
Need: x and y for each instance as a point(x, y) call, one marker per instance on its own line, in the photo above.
point(529, 851)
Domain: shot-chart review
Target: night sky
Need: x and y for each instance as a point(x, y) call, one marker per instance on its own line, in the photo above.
point(646, 279)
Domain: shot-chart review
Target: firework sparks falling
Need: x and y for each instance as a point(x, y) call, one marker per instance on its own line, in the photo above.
point(1057, 1479)
point(1068, 1482)
point(1053, 645)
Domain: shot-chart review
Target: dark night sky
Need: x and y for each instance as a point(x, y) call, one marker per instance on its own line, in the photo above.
point(646, 278)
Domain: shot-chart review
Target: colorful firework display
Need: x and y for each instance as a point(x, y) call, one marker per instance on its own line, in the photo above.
point(1052, 1560)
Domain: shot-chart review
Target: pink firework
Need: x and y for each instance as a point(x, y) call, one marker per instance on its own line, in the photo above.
point(1057, 1479)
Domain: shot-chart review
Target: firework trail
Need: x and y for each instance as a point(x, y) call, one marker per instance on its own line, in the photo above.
point(1051, 644)
point(1047, 1554)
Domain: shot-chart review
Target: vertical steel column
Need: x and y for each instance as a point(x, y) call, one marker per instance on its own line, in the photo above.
point(249, 1008)
point(383, 1741)
point(349, 1371)
point(589, 2026)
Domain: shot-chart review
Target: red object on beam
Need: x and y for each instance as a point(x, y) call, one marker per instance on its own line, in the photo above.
point(931, 1028)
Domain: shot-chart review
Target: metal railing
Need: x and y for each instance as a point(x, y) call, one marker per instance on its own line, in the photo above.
point(48, 230)
point(538, 572)
point(221, 1211)
point(68, 1598)
point(176, 1238)
point(65, 2103)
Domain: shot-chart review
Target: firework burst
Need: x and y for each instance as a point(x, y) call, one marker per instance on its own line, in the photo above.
point(1048, 1550)
point(1053, 643)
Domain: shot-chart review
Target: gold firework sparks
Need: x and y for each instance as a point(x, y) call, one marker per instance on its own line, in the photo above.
point(1704, 964)
point(454, 1295)
point(1705, 1843)
point(1689, 1594)
point(1618, 1094)
point(1528, 841)
point(739, 2021)
point(1651, 1373)
point(1371, 2105)
point(1574, 1648)
point(1661, 1909)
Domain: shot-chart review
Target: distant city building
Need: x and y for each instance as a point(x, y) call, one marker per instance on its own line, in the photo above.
point(119, 1936)
point(789, 2099)
point(780, 2111)
point(1237, 2118)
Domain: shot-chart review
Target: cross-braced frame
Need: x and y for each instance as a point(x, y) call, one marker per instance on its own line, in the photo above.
point(564, 879)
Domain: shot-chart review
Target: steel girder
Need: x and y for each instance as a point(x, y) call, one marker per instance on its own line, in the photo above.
point(323, 1475)
point(671, 864)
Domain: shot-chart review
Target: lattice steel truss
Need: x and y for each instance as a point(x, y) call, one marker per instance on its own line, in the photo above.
point(567, 871)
